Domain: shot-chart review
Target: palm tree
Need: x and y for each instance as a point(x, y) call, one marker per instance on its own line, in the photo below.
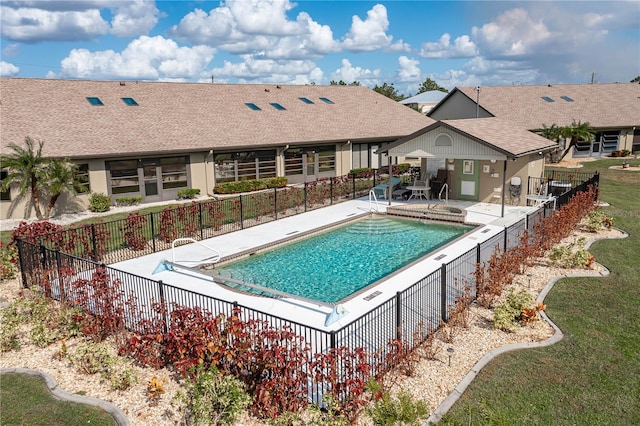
point(576, 132)
point(25, 169)
point(552, 133)
point(61, 175)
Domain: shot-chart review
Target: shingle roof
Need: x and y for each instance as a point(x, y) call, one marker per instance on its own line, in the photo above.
point(501, 134)
point(192, 116)
point(494, 132)
point(613, 105)
point(429, 97)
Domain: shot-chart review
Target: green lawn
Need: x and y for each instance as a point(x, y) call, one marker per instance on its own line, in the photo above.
point(591, 377)
point(25, 400)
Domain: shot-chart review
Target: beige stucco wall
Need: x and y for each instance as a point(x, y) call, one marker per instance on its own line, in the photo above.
point(523, 167)
point(201, 172)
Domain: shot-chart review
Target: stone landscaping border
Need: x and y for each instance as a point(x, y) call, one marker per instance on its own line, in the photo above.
point(59, 393)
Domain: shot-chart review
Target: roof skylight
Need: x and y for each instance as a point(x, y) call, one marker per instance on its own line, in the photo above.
point(566, 98)
point(306, 100)
point(95, 101)
point(326, 100)
point(253, 106)
point(277, 106)
point(548, 99)
point(129, 101)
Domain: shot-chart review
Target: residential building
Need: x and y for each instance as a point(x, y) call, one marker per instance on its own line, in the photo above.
point(612, 110)
point(151, 139)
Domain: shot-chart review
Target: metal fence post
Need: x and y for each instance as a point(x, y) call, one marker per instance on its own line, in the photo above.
point(275, 203)
point(21, 260)
point(153, 232)
point(504, 249)
point(63, 295)
point(305, 196)
point(331, 191)
point(163, 305)
point(443, 292)
point(332, 339)
point(241, 212)
point(353, 181)
point(94, 242)
point(200, 219)
point(398, 316)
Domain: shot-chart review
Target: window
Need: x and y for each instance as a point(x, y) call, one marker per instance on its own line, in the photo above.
point(95, 101)
point(277, 106)
point(174, 172)
point(237, 166)
point(443, 140)
point(548, 99)
point(326, 100)
point(82, 177)
point(4, 195)
point(253, 106)
point(566, 98)
point(306, 100)
point(124, 176)
point(129, 101)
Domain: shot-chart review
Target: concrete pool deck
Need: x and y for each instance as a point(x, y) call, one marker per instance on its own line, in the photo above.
point(315, 315)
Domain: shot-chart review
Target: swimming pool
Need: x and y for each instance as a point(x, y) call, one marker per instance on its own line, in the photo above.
point(335, 264)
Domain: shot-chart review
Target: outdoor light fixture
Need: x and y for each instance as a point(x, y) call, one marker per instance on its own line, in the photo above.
point(450, 350)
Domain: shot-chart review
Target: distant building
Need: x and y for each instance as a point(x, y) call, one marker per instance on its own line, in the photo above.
point(425, 101)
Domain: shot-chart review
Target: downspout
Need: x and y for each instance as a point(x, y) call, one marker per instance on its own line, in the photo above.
point(504, 185)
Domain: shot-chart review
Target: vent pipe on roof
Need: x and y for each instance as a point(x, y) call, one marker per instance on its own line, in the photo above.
point(478, 101)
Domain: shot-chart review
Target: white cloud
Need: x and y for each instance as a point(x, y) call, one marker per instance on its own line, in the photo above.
point(462, 47)
point(513, 33)
point(348, 73)
point(257, 27)
point(7, 69)
point(11, 50)
point(144, 58)
point(32, 25)
point(409, 72)
point(371, 33)
point(254, 70)
point(43, 21)
point(134, 18)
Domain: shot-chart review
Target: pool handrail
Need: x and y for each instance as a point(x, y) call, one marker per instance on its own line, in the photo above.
point(445, 188)
point(213, 259)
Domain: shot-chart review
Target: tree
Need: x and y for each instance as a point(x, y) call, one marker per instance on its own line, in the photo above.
point(26, 168)
point(636, 80)
point(342, 83)
point(552, 133)
point(31, 172)
point(389, 91)
point(61, 175)
point(429, 85)
point(576, 132)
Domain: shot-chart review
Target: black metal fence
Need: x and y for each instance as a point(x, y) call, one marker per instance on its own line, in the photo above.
point(415, 311)
point(138, 235)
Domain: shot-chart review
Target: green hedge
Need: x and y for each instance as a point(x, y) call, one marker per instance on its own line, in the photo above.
point(250, 185)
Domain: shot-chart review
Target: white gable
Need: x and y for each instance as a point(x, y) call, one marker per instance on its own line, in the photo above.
point(445, 143)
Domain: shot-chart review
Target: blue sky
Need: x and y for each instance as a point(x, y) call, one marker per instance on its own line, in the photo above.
point(456, 43)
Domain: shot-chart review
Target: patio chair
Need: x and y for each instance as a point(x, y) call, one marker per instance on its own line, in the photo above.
point(438, 182)
point(385, 189)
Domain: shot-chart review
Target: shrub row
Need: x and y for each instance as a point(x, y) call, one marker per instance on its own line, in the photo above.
point(250, 185)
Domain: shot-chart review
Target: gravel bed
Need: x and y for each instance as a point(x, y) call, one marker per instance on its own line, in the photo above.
point(432, 380)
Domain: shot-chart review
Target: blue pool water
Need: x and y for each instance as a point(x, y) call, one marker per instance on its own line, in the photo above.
point(332, 265)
